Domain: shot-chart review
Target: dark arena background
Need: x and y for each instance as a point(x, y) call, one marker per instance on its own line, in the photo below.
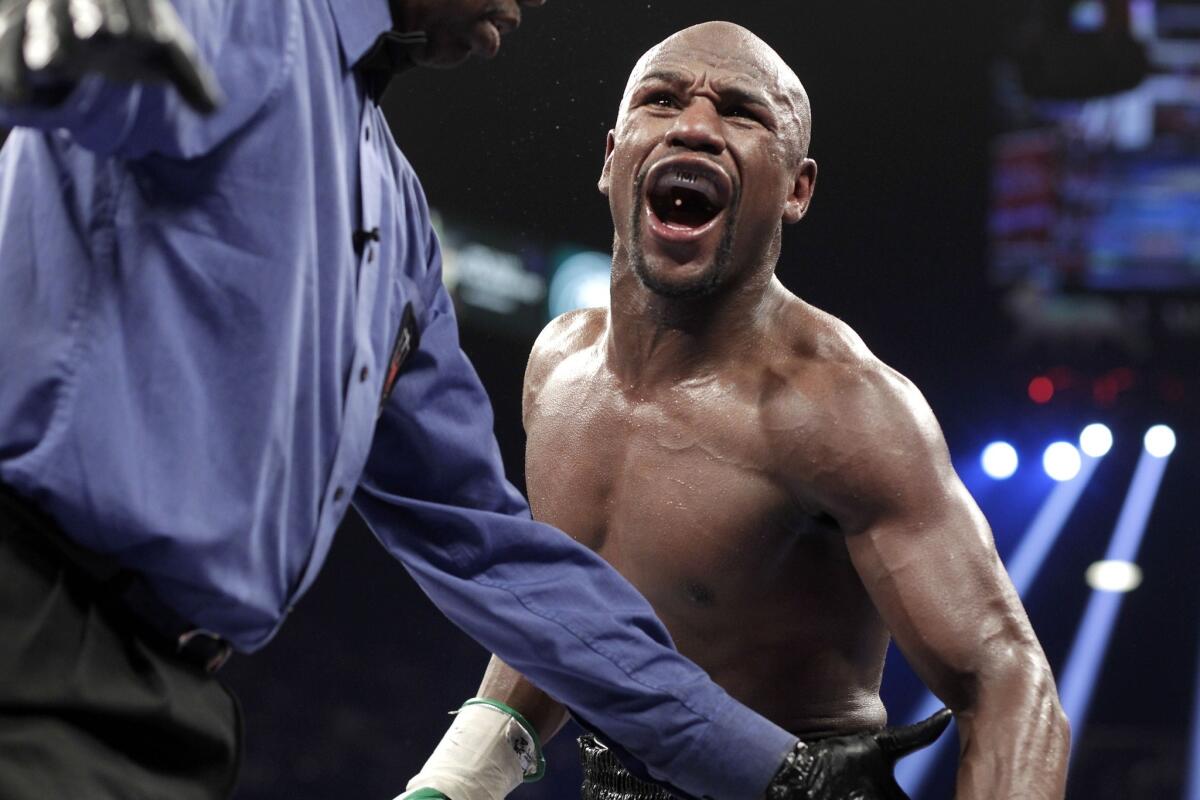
point(1008, 212)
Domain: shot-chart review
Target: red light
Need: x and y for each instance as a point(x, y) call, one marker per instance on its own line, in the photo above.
point(1124, 378)
point(1041, 389)
point(1105, 391)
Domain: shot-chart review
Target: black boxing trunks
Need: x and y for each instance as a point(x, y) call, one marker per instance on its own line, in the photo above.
point(604, 778)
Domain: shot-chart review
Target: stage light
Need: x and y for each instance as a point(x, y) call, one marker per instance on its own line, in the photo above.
point(1114, 576)
point(1078, 677)
point(581, 281)
point(1061, 461)
point(1096, 440)
point(999, 460)
point(1160, 441)
point(1041, 389)
point(1088, 15)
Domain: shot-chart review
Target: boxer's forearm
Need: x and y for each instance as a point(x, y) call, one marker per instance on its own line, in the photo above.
point(502, 682)
point(1015, 738)
point(494, 743)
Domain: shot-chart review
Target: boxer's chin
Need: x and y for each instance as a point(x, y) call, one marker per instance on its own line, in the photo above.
point(683, 228)
point(679, 267)
point(670, 279)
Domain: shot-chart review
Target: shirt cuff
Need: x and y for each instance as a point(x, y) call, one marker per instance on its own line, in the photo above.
point(737, 756)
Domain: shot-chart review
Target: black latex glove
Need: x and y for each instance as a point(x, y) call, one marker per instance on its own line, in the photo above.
point(855, 767)
point(48, 45)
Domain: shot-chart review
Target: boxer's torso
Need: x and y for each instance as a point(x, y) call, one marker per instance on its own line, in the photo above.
point(697, 494)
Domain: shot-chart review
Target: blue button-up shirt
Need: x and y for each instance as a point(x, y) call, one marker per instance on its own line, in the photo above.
point(194, 351)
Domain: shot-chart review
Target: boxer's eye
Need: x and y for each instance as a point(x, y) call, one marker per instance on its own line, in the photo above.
point(662, 100)
point(741, 112)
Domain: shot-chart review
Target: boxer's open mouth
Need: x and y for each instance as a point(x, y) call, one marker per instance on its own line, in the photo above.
point(687, 193)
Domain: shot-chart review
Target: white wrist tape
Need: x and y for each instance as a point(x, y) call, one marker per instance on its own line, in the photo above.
point(486, 753)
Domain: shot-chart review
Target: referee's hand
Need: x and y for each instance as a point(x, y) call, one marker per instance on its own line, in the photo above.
point(51, 44)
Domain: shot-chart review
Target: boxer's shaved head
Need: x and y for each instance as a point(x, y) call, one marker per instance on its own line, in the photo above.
point(708, 159)
point(733, 46)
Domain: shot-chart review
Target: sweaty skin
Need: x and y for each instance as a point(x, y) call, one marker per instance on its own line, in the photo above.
point(783, 499)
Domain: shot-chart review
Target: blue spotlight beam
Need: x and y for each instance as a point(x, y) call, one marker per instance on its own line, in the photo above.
point(1023, 566)
point(1025, 563)
point(1078, 680)
point(1193, 783)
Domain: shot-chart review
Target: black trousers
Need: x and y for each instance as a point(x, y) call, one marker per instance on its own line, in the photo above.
point(89, 708)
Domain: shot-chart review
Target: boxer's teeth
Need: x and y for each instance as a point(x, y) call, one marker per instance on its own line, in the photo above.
point(693, 181)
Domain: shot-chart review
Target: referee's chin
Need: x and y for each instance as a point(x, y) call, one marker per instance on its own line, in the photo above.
point(444, 56)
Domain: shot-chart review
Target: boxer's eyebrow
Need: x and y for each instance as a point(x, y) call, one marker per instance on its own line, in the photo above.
point(744, 95)
point(667, 76)
point(734, 92)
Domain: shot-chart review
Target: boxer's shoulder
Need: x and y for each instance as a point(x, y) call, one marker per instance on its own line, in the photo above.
point(855, 416)
point(571, 331)
point(572, 334)
point(565, 336)
point(819, 337)
point(830, 361)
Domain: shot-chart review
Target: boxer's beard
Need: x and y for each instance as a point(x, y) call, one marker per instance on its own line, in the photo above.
point(710, 280)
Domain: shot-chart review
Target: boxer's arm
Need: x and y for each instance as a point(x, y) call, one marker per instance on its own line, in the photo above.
point(926, 556)
point(503, 683)
point(497, 746)
point(125, 109)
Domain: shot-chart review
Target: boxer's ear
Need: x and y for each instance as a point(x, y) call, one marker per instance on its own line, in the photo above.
point(605, 173)
point(800, 197)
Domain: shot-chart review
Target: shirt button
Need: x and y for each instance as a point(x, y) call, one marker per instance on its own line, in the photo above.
point(362, 374)
point(338, 494)
point(367, 134)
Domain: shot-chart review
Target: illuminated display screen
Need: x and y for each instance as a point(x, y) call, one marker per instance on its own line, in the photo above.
point(1105, 193)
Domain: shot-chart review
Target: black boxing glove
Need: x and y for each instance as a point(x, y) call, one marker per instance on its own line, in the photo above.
point(855, 767)
point(46, 46)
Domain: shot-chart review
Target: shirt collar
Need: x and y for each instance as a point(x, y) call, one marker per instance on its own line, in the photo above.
point(359, 24)
point(368, 42)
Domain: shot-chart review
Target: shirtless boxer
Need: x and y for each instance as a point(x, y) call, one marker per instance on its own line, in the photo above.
point(782, 498)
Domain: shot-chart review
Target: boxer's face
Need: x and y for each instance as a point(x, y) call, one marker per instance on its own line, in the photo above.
point(458, 28)
point(707, 160)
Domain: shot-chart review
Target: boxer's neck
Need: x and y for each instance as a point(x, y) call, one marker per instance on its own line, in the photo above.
point(653, 338)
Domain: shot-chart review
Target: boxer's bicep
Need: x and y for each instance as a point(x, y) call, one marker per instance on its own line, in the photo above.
point(927, 558)
point(504, 684)
point(937, 582)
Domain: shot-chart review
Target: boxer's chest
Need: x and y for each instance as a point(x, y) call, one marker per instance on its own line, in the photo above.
point(682, 486)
